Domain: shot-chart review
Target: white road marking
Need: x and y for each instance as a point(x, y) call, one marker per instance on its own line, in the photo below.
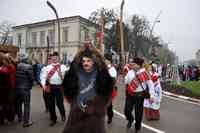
point(144, 125)
point(178, 99)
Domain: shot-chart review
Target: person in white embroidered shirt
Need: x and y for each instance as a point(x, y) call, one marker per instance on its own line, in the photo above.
point(113, 73)
point(51, 80)
point(45, 94)
point(137, 81)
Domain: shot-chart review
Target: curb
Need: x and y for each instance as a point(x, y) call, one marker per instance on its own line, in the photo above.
point(181, 97)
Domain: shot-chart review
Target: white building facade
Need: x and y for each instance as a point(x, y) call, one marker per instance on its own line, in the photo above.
point(32, 38)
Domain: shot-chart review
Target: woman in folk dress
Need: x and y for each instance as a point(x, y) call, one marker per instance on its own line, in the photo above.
point(152, 108)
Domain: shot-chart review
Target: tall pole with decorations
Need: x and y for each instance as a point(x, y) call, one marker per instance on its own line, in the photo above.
point(122, 33)
point(102, 23)
point(100, 33)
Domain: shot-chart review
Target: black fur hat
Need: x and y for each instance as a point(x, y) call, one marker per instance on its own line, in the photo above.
point(138, 61)
point(108, 57)
point(55, 54)
point(87, 53)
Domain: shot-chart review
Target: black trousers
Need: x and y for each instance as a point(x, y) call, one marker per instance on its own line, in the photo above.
point(7, 111)
point(56, 98)
point(25, 99)
point(7, 104)
point(46, 100)
point(137, 103)
point(110, 111)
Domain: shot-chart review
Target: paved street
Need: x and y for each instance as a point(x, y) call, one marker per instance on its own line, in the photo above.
point(43, 40)
point(176, 117)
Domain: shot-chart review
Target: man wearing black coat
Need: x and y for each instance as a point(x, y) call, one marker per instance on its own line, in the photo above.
point(24, 83)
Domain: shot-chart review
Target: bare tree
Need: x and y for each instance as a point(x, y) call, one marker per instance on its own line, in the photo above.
point(138, 35)
point(5, 31)
point(140, 25)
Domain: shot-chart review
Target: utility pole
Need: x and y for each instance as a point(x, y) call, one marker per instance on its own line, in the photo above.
point(58, 21)
point(151, 31)
point(154, 23)
point(121, 33)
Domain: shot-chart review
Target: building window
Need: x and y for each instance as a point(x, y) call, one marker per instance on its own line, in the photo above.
point(42, 37)
point(51, 35)
point(19, 39)
point(82, 35)
point(86, 34)
point(65, 34)
point(34, 38)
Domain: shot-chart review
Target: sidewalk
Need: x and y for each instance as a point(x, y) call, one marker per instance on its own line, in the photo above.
point(181, 97)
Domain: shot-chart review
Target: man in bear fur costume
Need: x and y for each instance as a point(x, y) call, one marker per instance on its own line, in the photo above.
point(88, 88)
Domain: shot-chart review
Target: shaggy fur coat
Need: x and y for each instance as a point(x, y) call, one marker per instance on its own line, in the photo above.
point(91, 120)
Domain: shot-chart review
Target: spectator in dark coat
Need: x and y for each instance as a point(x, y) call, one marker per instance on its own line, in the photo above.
point(24, 83)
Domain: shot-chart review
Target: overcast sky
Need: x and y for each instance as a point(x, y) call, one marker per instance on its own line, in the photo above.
point(179, 20)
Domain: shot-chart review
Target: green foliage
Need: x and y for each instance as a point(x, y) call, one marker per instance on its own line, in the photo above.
point(116, 38)
point(166, 56)
point(194, 86)
point(186, 88)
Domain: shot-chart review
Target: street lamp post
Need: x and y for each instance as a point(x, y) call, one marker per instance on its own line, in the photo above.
point(58, 21)
point(154, 23)
point(151, 31)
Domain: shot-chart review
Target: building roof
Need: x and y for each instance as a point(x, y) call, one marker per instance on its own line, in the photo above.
point(52, 20)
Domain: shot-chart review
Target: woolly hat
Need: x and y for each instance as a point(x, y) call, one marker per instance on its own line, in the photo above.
point(23, 58)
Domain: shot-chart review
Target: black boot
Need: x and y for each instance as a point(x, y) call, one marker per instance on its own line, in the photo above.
point(27, 124)
point(52, 123)
point(129, 124)
point(109, 120)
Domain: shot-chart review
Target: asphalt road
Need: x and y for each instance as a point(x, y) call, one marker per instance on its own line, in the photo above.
point(176, 117)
